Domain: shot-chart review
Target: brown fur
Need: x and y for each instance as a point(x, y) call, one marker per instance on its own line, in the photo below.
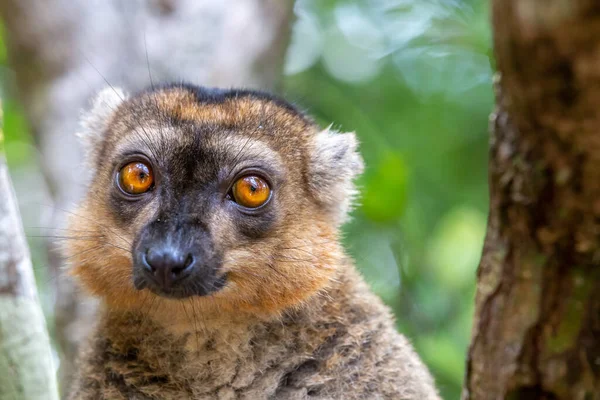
point(294, 321)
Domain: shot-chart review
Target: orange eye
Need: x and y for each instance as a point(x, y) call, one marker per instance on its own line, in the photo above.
point(135, 178)
point(251, 191)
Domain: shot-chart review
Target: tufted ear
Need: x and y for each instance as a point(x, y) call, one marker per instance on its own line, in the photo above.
point(334, 164)
point(94, 122)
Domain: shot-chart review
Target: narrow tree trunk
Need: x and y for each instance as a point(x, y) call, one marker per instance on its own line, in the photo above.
point(64, 51)
point(25, 357)
point(536, 332)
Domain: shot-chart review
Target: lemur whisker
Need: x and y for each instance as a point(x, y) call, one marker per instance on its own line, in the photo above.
point(83, 55)
point(148, 142)
point(251, 137)
point(195, 324)
point(147, 314)
point(102, 76)
point(159, 112)
point(182, 302)
point(58, 273)
point(144, 315)
point(84, 239)
point(45, 267)
point(90, 237)
point(148, 62)
point(59, 229)
point(89, 220)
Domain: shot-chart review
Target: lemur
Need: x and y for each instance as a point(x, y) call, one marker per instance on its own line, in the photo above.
point(212, 220)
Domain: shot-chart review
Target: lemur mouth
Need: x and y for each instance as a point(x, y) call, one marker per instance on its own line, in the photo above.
point(188, 286)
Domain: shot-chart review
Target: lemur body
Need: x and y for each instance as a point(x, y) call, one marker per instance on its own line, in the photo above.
point(218, 259)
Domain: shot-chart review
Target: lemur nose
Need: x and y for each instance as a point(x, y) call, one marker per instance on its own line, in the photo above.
point(167, 266)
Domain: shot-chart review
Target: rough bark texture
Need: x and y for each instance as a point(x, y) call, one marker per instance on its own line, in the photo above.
point(536, 332)
point(64, 51)
point(25, 357)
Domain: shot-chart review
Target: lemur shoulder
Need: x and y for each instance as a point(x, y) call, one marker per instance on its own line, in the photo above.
point(218, 260)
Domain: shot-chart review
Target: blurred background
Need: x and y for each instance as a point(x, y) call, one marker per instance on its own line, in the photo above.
point(413, 79)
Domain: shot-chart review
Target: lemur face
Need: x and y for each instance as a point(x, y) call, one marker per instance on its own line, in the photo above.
point(233, 197)
point(195, 192)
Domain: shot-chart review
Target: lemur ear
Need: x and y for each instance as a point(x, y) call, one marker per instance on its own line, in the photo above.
point(335, 163)
point(94, 122)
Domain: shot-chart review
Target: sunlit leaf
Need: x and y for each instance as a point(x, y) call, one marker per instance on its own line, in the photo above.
point(455, 247)
point(16, 132)
point(441, 353)
point(384, 198)
point(2, 45)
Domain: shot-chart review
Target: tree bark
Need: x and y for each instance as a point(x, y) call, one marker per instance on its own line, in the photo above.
point(64, 51)
point(536, 332)
point(25, 356)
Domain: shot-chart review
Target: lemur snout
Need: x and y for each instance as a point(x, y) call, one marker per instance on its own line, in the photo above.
point(167, 265)
point(176, 258)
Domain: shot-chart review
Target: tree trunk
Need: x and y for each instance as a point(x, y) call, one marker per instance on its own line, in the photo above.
point(536, 332)
point(64, 51)
point(25, 356)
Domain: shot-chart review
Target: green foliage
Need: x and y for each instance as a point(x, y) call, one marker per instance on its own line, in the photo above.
point(413, 80)
point(455, 247)
point(3, 52)
point(1, 139)
point(17, 140)
point(16, 133)
point(384, 195)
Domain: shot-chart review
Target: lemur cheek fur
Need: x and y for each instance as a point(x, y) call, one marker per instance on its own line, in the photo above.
point(220, 267)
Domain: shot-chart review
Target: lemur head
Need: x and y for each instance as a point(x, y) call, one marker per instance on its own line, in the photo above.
point(231, 198)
